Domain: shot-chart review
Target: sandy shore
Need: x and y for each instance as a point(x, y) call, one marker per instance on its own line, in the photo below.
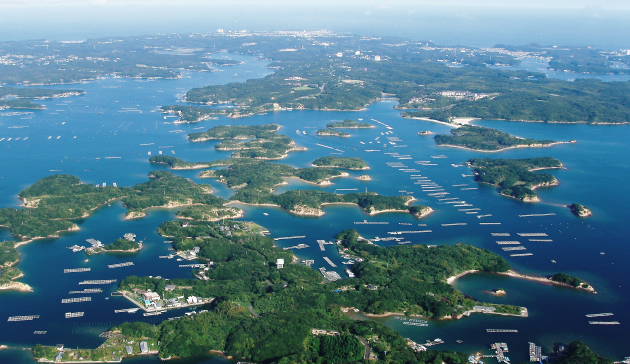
point(452, 279)
point(457, 122)
point(506, 148)
point(511, 273)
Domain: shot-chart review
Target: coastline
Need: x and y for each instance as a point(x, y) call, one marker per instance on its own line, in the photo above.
point(513, 274)
point(506, 148)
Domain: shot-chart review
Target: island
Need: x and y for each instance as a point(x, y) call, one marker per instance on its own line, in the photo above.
point(341, 162)
point(266, 143)
point(580, 210)
point(515, 177)
point(349, 124)
point(571, 282)
point(479, 138)
point(331, 132)
point(8, 273)
point(123, 245)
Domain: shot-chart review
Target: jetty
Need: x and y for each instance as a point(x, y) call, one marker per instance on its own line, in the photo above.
point(76, 299)
point(22, 318)
point(119, 265)
point(290, 237)
point(77, 270)
point(74, 314)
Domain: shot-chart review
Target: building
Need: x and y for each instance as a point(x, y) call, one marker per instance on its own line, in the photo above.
point(144, 348)
point(280, 263)
point(129, 349)
point(169, 287)
point(151, 296)
point(192, 299)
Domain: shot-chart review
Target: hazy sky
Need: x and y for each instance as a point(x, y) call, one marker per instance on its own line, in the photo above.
point(601, 23)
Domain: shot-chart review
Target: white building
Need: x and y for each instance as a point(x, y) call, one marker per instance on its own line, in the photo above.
point(280, 263)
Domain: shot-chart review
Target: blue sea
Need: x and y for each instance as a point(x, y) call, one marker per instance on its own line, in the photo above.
point(118, 117)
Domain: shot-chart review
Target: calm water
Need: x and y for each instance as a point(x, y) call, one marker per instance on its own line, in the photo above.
point(102, 124)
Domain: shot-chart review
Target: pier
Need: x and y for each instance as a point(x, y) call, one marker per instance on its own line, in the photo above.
point(537, 215)
point(119, 265)
point(521, 255)
point(415, 323)
point(499, 234)
point(330, 276)
point(455, 224)
point(321, 244)
point(531, 234)
point(547, 240)
point(77, 270)
point(505, 242)
point(76, 299)
point(510, 248)
point(489, 223)
point(502, 330)
point(39, 332)
point(365, 222)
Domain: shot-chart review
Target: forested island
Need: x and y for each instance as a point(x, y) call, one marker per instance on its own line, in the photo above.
point(330, 132)
point(515, 177)
point(9, 256)
point(349, 124)
point(571, 281)
point(580, 210)
point(266, 143)
point(480, 138)
point(341, 162)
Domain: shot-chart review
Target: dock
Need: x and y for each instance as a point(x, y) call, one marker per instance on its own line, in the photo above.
point(99, 281)
point(599, 314)
point(128, 310)
point(365, 222)
point(502, 330)
point(39, 332)
point(535, 353)
point(22, 318)
point(329, 262)
point(604, 322)
point(76, 299)
point(489, 223)
point(504, 242)
point(74, 314)
point(455, 224)
point(500, 234)
point(299, 246)
point(77, 270)
point(510, 248)
point(119, 265)
point(547, 240)
point(330, 276)
point(531, 234)
point(321, 244)
point(87, 290)
point(521, 255)
point(537, 215)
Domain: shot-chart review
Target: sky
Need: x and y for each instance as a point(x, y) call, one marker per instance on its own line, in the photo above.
point(477, 23)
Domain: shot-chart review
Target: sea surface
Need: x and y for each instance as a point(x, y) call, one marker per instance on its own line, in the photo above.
point(118, 117)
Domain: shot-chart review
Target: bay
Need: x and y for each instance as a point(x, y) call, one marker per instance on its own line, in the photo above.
point(105, 125)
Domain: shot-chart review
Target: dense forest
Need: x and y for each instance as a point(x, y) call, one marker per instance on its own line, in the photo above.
point(481, 138)
point(349, 124)
point(514, 177)
point(330, 132)
point(122, 244)
point(341, 162)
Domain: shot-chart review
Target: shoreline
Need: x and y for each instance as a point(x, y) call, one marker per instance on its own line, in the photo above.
point(513, 274)
point(506, 148)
